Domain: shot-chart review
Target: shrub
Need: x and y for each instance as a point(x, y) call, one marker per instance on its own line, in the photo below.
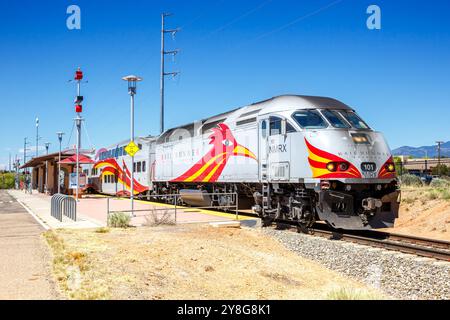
point(411, 180)
point(119, 220)
point(160, 217)
point(102, 230)
point(440, 183)
point(7, 180)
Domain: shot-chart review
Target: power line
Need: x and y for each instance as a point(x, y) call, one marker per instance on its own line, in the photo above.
point(242, 16)
point(200, 15)
point(299, 19)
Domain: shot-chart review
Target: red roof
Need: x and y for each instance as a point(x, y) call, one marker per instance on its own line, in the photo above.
point(82, 159)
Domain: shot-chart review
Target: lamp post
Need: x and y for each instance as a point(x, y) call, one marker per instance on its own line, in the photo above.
point(132, 80)
point(60, 136)
point(47, 144)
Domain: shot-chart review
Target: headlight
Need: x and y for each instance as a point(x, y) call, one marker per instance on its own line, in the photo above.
point(331, 166)
point(343, 166)
point(390, 167)
point(360, 138)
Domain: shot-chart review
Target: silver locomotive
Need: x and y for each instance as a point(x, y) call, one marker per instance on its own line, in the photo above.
point(297, 158)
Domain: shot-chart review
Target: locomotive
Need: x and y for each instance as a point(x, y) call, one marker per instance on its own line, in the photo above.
point(291, 157)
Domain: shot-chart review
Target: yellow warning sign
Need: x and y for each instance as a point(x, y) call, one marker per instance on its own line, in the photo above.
point(132, 148)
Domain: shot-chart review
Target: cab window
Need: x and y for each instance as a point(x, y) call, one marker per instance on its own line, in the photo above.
point(275, 126)
point(335, 119)
point(354, 120)
point(309, 119)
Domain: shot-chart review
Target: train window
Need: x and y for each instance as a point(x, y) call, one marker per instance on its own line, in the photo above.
point(335, 119)
point(134, 167)
point(264, 128)
point(139, 166)
point(309, 119)
point(275, 126)
point(143, 166)
point(289, 128)
point(354, 120)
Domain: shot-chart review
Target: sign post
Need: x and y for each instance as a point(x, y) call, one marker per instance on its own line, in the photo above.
point(132, 147)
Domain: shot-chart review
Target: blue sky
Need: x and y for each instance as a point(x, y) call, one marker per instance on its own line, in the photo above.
point(232, 53)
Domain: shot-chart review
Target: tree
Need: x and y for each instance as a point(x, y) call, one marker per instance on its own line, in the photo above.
point(399, 167)
point(443, 170)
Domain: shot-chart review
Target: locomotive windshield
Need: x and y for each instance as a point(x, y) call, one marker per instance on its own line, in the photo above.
point(335, 119)
point(354, 120)
point(309, 119)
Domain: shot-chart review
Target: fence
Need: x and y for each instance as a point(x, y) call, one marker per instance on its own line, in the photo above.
point(62, 204)
point(173, 204)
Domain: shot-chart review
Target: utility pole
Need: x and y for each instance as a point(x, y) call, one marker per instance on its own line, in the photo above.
point(47, 144)
point(78, 120)
point(163, 73)
point(60, 136)
point(37, 137)
point(9, 162)
point(25, 143)
point(439, 156)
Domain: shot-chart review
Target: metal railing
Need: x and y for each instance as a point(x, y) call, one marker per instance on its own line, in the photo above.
point(175, 206)
point(62, 204)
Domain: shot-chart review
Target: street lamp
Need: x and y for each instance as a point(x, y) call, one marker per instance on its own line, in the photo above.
point(47, 144)
point(60, 136)
point(132, 80)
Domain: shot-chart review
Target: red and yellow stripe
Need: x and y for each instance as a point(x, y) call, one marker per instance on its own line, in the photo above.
point(318, 160)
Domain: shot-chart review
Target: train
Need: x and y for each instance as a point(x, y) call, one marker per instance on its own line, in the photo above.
point(292, 157)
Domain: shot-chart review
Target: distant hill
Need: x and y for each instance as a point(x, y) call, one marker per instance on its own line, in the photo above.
point(419, 152)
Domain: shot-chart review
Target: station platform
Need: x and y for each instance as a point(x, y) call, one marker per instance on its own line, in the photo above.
point(92, 212)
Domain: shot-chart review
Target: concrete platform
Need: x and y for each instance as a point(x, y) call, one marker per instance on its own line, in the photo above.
point(92, 212)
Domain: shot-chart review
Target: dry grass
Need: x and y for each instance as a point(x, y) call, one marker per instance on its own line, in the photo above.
point(70, 268)
point(424, 211)
point(159, 217)
point(189, 262)
point(352, 294)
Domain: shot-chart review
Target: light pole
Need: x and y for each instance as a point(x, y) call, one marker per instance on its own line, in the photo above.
point(60, 136)
point(37, 137)
point(131, 79)
point(439, 157)
point(47, 144)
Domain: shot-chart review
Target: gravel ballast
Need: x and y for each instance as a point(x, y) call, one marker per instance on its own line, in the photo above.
point(399, 275)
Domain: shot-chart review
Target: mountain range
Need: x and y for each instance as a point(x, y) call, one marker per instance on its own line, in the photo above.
point(421, 152)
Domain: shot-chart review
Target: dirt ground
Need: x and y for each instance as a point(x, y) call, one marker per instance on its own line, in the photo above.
point(189, 262)
point(423, 213)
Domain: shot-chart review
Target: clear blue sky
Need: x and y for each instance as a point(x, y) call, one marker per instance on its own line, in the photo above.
point(233, 53)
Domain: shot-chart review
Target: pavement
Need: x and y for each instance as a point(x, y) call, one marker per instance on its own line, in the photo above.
point(25, 260)
point(92, 212)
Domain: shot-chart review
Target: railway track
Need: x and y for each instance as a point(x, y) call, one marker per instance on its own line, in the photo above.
point(422, 247)
point(419, 246)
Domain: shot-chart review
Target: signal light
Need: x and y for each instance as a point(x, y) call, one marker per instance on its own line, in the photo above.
point(78, 108)
point(78, 75)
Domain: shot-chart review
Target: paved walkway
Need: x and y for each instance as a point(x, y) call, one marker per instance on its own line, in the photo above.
point(92, 211)
point(25, 262)
point(39, 205)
